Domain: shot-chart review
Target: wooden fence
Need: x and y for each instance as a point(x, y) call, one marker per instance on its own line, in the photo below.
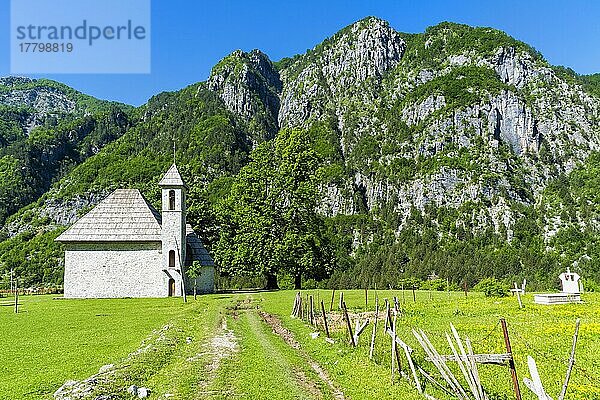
point(437, 372)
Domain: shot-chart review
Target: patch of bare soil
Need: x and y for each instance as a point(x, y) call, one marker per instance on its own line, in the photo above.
point(221, 346)
point(288, 337)
point(278, 329)
point(240, 305)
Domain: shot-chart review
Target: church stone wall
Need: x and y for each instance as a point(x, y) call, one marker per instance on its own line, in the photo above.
point(109, 270)
point(206, 280)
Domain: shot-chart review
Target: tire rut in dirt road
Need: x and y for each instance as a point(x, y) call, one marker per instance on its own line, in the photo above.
point(221, 346)
point(276, 356)
point(288, 337)
point(263, 366)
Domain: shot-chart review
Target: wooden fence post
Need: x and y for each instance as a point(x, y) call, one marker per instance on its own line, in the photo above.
point(387, 315)
point(332, 299)
point(306, 308)
point(318, 299)
point(17, 297)
point(393, 355)
point(518, 292)
point(312, 311)
point(374, 328)
point(347, 318)
point(295, 307)
point(325, 319)
point(563, 392)
point(391, 332)
point(359, 329)
point(511, 362)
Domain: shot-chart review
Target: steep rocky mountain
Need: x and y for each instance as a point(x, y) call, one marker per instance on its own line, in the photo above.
point(250, 87)
point(45, 129)
point(444, 118)
point(459, 150)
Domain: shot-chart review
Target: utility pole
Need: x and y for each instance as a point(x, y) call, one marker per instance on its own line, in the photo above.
point(12, 274)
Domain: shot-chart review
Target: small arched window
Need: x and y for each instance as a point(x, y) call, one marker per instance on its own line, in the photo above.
point(171, 258)
point(171, 199)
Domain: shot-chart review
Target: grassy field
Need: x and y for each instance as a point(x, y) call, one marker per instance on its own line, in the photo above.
point(220, 347)
point(50, 342)
point(544, 332)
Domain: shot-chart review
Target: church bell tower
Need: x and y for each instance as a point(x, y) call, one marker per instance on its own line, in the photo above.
point(173, 230)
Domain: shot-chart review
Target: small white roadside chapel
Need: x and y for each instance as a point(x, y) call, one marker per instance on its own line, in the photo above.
point(124, 247)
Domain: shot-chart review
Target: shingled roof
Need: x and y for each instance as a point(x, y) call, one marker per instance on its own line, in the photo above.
point(124, 216)
point(172, 178)
point(199, 252)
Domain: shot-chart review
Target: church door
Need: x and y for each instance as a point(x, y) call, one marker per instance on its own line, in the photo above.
point(171, 287)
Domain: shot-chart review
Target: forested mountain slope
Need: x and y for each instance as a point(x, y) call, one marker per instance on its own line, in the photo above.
point(459, 150)
point(46, 128)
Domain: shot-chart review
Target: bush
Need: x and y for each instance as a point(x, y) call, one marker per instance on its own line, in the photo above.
point(435, 284)
point(590, 285)
point(492, 288)
point(409, 283)
point(285, 281)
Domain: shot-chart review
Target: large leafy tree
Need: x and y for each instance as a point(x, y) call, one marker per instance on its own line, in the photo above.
point(269, 219)
point(306, 248)
point(249, 225)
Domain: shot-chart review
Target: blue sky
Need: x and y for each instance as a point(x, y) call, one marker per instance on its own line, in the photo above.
point(189, 37)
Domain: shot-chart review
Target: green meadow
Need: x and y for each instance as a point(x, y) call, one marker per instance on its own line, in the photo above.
point(219, 346)
point(51, 341)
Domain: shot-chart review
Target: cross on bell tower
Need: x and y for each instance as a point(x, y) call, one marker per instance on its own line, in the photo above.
point(174, 143)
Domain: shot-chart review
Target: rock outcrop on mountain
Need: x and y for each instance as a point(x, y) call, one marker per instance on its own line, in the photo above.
point(458, 134)
point(250, 86)
point(40, 100)
point(46, 128)
point(469, 113)
point(348, 66)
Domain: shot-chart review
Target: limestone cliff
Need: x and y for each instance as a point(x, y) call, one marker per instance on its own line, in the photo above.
point(249, 86)
point(454, 116)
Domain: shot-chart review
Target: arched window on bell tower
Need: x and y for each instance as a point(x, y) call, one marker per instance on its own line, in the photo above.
point(171, 199)
point(171, 258)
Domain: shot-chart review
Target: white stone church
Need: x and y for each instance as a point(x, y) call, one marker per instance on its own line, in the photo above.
point(123, 247)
